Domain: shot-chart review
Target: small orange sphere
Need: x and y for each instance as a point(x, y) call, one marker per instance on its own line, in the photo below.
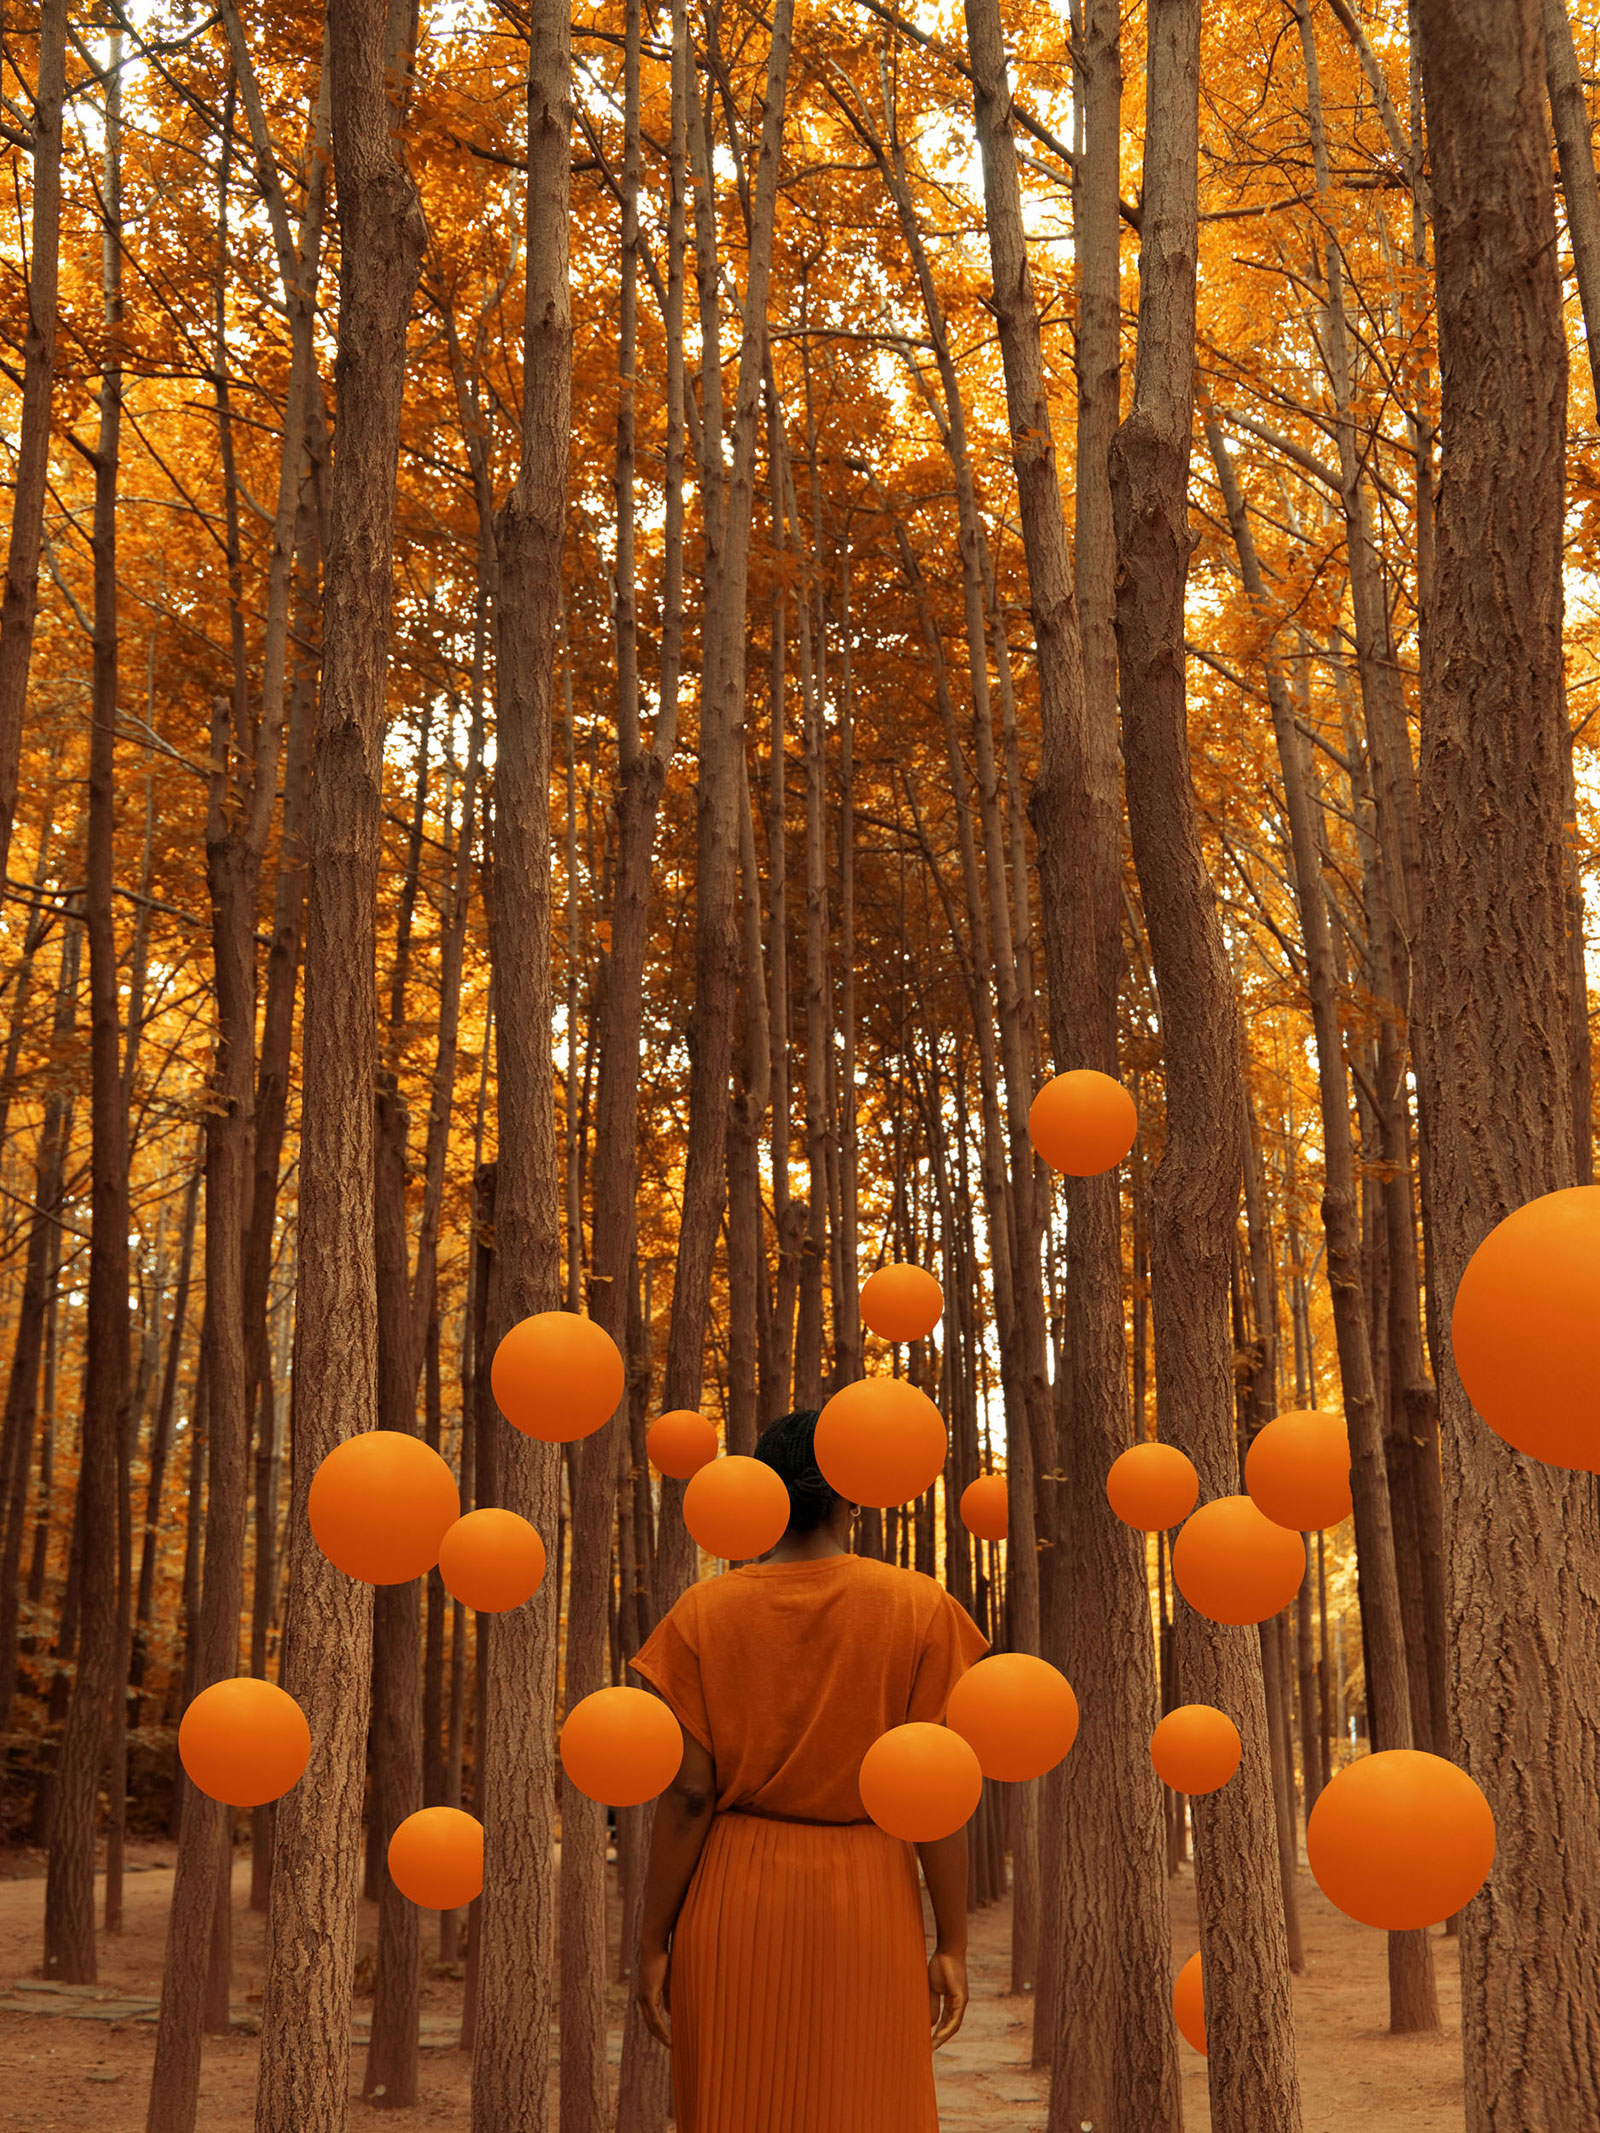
point(901, 1303)
point(736, 1507)
point(1233, 1565)
point(244, 1741)
point(880, 1441)
point(436, 1858)
point(1196, 1749)
point(1189, 2004)
point(1083, 1123)
point(1400, 1840)
point(491, 1561)
point(985, 1507)
point(1152, 1486)
point(1298, 1470)
point(621, 1746)
point(380, 1504)
point(558, 1377)
point(1523, 1328)
point(1018, 1714)
point(920, 1782)
point(680, 1443)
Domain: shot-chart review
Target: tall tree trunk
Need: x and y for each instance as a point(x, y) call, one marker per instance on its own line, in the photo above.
point(1494, 1006)
point(161, 1436)
point(304, 2077)
point(1252, 2077)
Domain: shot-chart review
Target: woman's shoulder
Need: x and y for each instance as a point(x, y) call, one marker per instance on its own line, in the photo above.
point(914, 1588)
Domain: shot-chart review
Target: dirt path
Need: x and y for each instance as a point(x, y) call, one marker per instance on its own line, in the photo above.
point(89, 2072)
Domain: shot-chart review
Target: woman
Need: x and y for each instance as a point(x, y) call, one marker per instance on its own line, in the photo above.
point(792, 1924)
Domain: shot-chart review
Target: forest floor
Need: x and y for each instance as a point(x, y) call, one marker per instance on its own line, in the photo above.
point(88, 2072)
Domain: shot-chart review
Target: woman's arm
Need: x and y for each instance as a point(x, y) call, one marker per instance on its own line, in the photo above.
point(944, 1868)
point(677, 1838)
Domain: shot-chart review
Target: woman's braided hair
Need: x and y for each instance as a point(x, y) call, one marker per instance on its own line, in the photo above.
point(788, 1447)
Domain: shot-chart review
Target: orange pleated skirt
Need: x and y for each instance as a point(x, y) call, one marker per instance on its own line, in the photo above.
point(799, 1987)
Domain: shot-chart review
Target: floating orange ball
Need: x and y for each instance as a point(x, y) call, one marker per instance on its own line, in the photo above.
point(380, 1504)
point(1523, 1328)
point(621, 1746)
point(1400, 1840)
point(901, 1303)
point(244, 1741)
point(1196, 1749)
point(985, 1507)
point(436, 1858)
point(1233, 1565)
point(1298, 1470)
point(1017, 1713)
point(558, 1377)
point(920, 1782)
point(1189, 2004)
point(1083, 1123)
point(737, 1508)
point(880, 1441)
point(1152, 1487)
point(680, 1443)
point(491, 1560)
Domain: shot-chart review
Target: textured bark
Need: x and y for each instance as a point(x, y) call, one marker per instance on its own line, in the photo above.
point(1524, 1548)
point(304, 2077)
point(1253, 2082)
point(161, 1436)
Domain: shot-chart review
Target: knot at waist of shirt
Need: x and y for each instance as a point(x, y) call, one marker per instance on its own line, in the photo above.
point(764, 1814)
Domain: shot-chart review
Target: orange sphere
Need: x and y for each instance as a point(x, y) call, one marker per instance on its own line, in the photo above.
point(1189, 2004)
point(380, 1504)
point(1233, 1565)
point(1196, 1749)
point(622, 1746)
point(1400, 1839)
point(920, 1782)
point(436, 1858)
point(985, 1507)
point(1298, 1471)
point(558, 1377)
point(737, 1508)
point(491, 1561)
point(880, 1441)
point(244, 1741)
point(1017, 1713)
point(1083, 1123)
point(680, 1443)
point(1152, 1486)
point(901, 1303)
point(1523, 1328)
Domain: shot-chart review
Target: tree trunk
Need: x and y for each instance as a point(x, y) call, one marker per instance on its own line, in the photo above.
point(1494, 1006)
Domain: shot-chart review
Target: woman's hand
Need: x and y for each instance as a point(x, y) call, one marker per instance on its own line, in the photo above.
point(650, 1990)
point(947, 1992)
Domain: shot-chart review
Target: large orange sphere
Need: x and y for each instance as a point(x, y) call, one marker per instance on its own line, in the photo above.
point(1400, 1839)
point(1018, 1714)
point(1189, 2004)
point(737, 1508)
point(436, 1858)
point(920, 1782)
point(622, 1746)
point(1152, 1486)
point(880, 1441)
point(491, 1560)
point(244, 1741)
point(901, 1303)
point(985, 1507)
point(380, 1504)
point(558, 1377)
point(680, 1443)
point(1233, 1565)
point(1523, 1328)
point(1083, 1123)
point(1298, 1470)
point(1196, 1749)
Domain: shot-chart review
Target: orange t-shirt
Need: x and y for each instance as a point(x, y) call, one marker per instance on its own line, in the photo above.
point(788, 1672)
